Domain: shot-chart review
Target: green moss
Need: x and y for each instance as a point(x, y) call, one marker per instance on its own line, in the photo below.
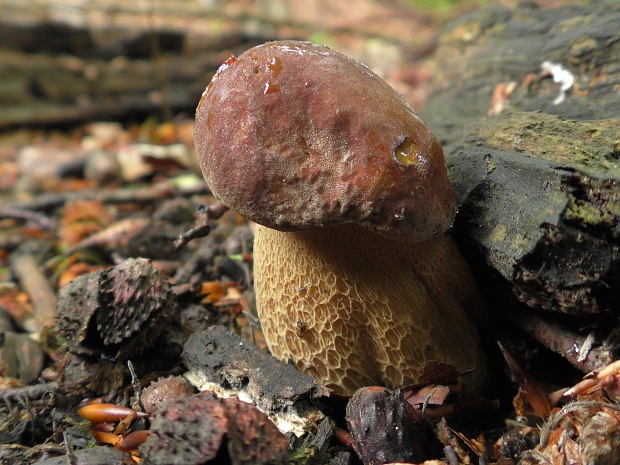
point(520, 242)
point(437, 4)
point(603, 213)
point(593, 146)
point(499, 233)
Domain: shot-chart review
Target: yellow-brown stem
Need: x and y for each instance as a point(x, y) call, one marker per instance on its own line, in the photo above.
point(353, 309)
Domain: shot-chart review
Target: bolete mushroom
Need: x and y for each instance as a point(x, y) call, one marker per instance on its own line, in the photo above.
point(355, 280)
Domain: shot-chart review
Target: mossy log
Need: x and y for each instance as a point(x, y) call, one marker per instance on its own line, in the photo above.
point(539, 196)
point(535, 162)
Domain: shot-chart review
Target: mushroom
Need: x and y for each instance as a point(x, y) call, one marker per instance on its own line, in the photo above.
point(356, 282)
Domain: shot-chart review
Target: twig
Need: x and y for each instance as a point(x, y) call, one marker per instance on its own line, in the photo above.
point(30, 392)
point(37, 218)
point(343, 438)
point(111, 236)
point(563, 341)
point(163, 190)
point(71, 457)
point(36, 285)
point(202, 228)
point(137, 388)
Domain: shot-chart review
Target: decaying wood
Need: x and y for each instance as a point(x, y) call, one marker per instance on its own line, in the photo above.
point(538, 182)
point(221, 361)
point(496, 46)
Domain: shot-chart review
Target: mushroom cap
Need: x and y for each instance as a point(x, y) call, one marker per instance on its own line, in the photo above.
point(294, 136)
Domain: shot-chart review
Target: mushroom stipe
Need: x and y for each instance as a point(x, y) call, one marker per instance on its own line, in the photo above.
point(356, 280)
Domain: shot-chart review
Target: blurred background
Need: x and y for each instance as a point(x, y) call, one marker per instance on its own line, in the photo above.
point(67, 61)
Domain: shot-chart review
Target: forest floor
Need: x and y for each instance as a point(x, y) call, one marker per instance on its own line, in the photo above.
point(82, 200)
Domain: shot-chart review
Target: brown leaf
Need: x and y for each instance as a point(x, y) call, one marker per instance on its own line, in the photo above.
point(528, 386)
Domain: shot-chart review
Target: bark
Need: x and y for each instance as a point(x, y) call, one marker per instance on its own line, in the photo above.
point(537, 179)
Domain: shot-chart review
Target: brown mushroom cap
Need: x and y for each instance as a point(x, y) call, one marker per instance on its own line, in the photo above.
point(294, 135)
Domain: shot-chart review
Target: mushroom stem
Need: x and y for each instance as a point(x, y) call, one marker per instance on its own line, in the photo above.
point(300, 138)
point(353, 308)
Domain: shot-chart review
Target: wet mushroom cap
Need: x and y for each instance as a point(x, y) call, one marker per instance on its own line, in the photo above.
point(294, 135)
point(323, 155)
